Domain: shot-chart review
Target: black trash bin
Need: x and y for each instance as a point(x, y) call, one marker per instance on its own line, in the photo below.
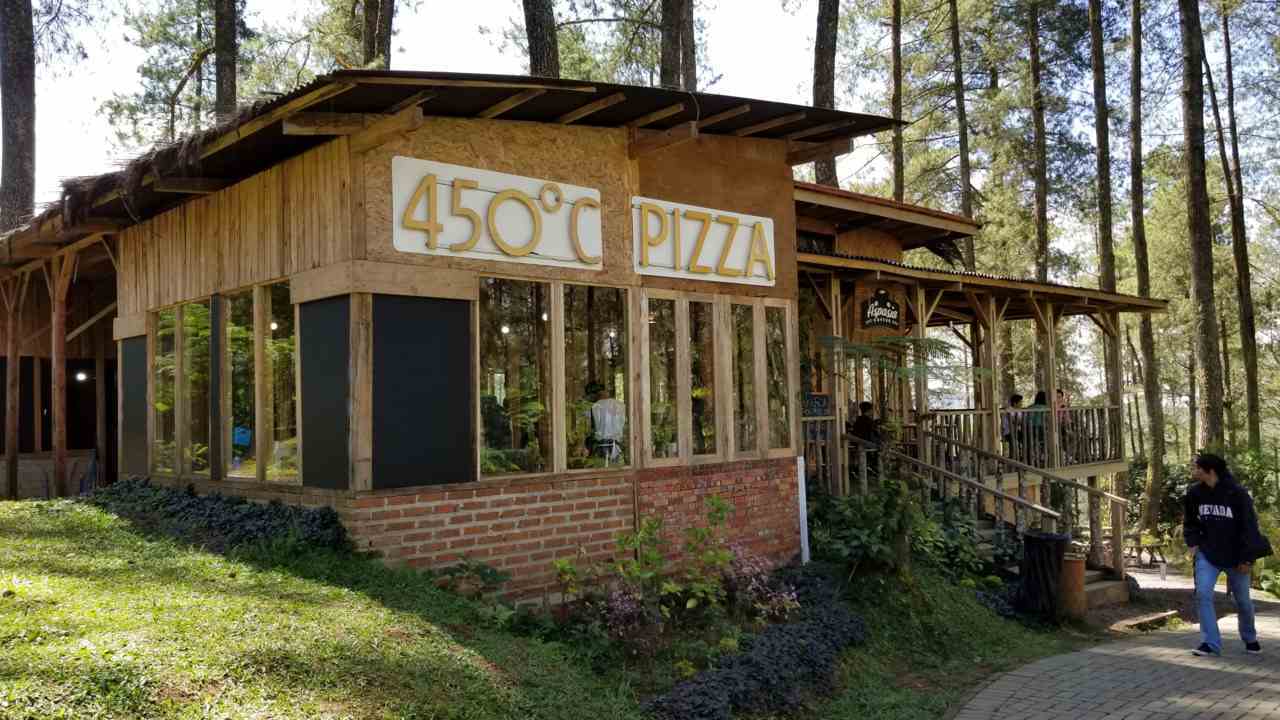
point(1040, 575)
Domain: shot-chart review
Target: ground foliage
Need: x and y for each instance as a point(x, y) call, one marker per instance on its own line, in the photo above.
point(100, 620)
point(219, 522)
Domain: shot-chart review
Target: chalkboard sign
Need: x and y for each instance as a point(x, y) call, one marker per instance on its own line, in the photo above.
point(880, 310)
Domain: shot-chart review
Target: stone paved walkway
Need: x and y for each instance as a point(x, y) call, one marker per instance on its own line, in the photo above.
point(1152, 678)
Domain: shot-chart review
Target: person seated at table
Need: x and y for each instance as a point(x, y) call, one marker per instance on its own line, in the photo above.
point(866, 426)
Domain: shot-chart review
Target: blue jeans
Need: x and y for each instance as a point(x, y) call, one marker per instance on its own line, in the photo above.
point(1238, 583)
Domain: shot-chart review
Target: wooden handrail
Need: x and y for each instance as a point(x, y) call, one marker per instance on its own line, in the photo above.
point(872, 447)
point(1031, 469)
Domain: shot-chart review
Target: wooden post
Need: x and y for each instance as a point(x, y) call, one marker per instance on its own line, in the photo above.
point(15, 293)
point(102, 336)
point(922, 369)
point(838, 389)
point(62, 267)
point(1118, 523)
point(264, 418)
point(1051, 384)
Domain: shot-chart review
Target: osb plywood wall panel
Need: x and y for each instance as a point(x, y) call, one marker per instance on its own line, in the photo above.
point(870, 242)
point(740, 175)
point(84, 300)
point(585, 156)
point(293, 217)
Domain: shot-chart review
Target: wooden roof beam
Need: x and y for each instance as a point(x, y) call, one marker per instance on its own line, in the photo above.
point(818, 130)
point(769, 124)
point(325, 123)
point(808, 153)
point(405, 121)
point(190, 185)
point(650, 142)
point(592, 108)
point(656, 115)
point(87, 227)
point(511, 103)
point(720, 117)
point(415, 99)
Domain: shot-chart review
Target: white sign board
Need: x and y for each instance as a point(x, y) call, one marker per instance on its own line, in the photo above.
point(696, 243)
point(456, 211)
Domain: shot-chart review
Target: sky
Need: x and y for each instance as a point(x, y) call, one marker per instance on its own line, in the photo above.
point(759, 49)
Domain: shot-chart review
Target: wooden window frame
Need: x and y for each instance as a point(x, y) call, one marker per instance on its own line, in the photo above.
point(684, 432)
point(560, 384)
point(791, 350)
point(262, 433)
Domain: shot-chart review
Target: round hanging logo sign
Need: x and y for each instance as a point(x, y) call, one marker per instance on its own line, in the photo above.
point(880, 310)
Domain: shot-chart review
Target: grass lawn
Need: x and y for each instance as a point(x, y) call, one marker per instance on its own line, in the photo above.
point(97, 620)
point(930, 644)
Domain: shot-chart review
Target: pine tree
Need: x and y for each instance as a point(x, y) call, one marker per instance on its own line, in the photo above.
point(18, 96)
point(540, 28)
point(824, 75)
point(1205, 318)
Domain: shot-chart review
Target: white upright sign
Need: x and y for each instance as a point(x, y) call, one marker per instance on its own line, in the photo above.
point(456, 211)
point(696, 243)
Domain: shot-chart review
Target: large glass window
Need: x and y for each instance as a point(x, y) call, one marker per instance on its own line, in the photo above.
point(164, 446)
point(664, 415)
point(195, 387)
point(742, 319)
point(776, 379)
point(702, 367)
point(595, 376)
point(515, 376)
point(282, 398)
point(238, 416)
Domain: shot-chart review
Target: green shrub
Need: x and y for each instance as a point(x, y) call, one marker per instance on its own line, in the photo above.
point(865, 532)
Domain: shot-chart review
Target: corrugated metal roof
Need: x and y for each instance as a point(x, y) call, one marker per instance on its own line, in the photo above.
point(893, 264)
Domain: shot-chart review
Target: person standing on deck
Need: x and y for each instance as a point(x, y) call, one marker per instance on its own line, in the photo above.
point(1221, 530)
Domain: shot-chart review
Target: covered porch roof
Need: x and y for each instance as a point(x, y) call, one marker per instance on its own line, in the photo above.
point(826, 212)
point(953, 293)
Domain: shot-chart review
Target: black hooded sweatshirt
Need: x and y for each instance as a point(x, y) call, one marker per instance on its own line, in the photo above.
point(1221, 522)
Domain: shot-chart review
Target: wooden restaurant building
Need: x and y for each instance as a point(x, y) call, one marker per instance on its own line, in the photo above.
point(484, 316)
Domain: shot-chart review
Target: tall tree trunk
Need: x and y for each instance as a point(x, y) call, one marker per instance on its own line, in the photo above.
point(197, 106)
point(386, 20)
point(899, 171)
point(1193, 410)
point(1201, 239)
point(1040, 171)
point(962, 123)
point(225, 48)
point(1152, 393)
point(1106, 247)
point(1139, 379)
point(369, 37)
point(1240, 253)
point(1229, 397)
point(669, 60)
point(824, 76)
point(1040, 174)
point(18, 96)
point(540, 29)
point(688, 48)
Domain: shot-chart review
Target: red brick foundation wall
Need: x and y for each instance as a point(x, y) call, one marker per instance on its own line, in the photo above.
point(763, 493)
point(519, 527)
